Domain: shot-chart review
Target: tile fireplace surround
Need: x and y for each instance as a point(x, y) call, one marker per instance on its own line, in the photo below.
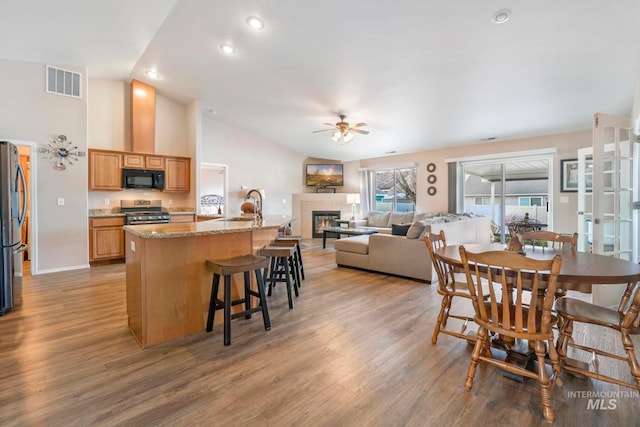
point(303, 204)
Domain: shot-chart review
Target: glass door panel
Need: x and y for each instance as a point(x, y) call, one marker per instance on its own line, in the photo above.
point(514, 193)
point(585, 199)
point(613, 195)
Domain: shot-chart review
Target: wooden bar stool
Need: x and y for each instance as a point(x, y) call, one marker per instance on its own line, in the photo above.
point(297, 269)
point(282, 268)
point(297, 240)
point(226, 267)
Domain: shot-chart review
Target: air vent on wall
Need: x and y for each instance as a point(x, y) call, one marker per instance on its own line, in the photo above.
point(64, 82)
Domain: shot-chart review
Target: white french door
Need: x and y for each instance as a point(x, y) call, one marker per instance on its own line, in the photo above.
point(585, 199)
point(606, 215)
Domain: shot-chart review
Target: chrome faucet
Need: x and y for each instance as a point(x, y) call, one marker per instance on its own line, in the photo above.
point(258, 209)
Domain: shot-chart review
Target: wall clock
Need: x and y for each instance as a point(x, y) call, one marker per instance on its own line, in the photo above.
point(62, 152)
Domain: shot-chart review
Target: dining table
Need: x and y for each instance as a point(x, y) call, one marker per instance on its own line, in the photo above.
point(580, 271)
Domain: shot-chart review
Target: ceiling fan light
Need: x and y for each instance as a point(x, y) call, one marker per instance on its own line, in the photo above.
point(255, 23)
point(227, 48)
point(337, 135)
point(348, 136)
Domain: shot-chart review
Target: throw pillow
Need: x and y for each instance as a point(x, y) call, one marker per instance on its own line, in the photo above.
point(416, 229)
point(399, 229)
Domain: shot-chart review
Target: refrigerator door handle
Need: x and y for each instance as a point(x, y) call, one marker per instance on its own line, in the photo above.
point(21, 248)
point(24, 196)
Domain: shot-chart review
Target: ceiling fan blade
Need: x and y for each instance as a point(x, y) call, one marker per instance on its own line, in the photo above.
point(329, 124)
point(363, 132)
point(323, 130)
point(359, 124)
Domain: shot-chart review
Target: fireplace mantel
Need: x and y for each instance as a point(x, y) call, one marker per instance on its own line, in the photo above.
point(305, 203)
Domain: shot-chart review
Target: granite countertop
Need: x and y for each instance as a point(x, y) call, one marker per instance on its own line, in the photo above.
point(96, 213)
point(218, 226)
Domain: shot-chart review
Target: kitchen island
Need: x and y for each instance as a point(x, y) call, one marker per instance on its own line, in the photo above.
point(168, 285)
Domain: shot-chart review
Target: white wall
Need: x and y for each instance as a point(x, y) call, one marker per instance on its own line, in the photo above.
point(29, 113)
point(564, 214)
point(253, 162)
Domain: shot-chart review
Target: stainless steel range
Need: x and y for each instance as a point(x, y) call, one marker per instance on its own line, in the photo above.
point(144, 212)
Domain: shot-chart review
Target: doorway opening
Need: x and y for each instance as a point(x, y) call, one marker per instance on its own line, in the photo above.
point(212, 198)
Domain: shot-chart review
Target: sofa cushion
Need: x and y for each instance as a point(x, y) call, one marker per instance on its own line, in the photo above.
point(423, 215)
point(399, 229)
point(416, 230)
point(378, 219)
point(400, 218)
point(355, 244)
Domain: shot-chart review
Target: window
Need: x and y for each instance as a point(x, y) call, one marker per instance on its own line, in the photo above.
point(529, 201)
point(395, 190)
point(483, 200)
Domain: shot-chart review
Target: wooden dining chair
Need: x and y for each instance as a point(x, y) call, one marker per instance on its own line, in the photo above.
point(554, 240)
point(505, 313)
point(449, 288)
point(624, 320)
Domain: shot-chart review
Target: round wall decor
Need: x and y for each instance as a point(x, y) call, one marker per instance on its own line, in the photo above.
point(431, 179)
point(431, 167)
point(431, 190)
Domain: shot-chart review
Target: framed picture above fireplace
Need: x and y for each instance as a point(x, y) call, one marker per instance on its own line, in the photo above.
point(324, 175)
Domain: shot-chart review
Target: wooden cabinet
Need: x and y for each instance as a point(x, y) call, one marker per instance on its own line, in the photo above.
point(154, 162)
point(106, 238)
point(105, 170)
point(141, 161)
point(177, 173)
point(182, 217)
point(133, 161)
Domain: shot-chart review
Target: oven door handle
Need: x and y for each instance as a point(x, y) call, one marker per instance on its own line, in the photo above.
point(149, 222)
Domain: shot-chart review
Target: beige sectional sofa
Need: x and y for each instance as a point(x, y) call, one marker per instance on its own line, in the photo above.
point(382, 221)
point(408, 256)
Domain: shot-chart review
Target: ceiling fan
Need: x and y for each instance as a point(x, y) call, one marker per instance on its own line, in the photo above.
point(343, 131)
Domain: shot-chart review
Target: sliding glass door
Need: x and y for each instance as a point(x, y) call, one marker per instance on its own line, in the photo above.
point(514, 193)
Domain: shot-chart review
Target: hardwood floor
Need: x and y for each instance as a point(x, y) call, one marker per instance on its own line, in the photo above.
point(354, 351)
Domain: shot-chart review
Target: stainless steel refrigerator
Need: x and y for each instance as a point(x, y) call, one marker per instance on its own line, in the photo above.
point(13, 209)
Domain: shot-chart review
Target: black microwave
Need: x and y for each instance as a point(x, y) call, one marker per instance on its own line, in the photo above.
point(143, 178)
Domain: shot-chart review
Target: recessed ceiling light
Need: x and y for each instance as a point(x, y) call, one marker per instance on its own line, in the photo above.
point(227, 48)
point(152, 74)
point(255, 23)
point(501, 16)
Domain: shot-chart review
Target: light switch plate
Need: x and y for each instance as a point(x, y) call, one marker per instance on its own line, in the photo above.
point(564, 199)
point(133, 246)
point(60, 201)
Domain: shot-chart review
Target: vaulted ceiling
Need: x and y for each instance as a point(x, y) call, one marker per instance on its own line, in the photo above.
point(422, 74)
